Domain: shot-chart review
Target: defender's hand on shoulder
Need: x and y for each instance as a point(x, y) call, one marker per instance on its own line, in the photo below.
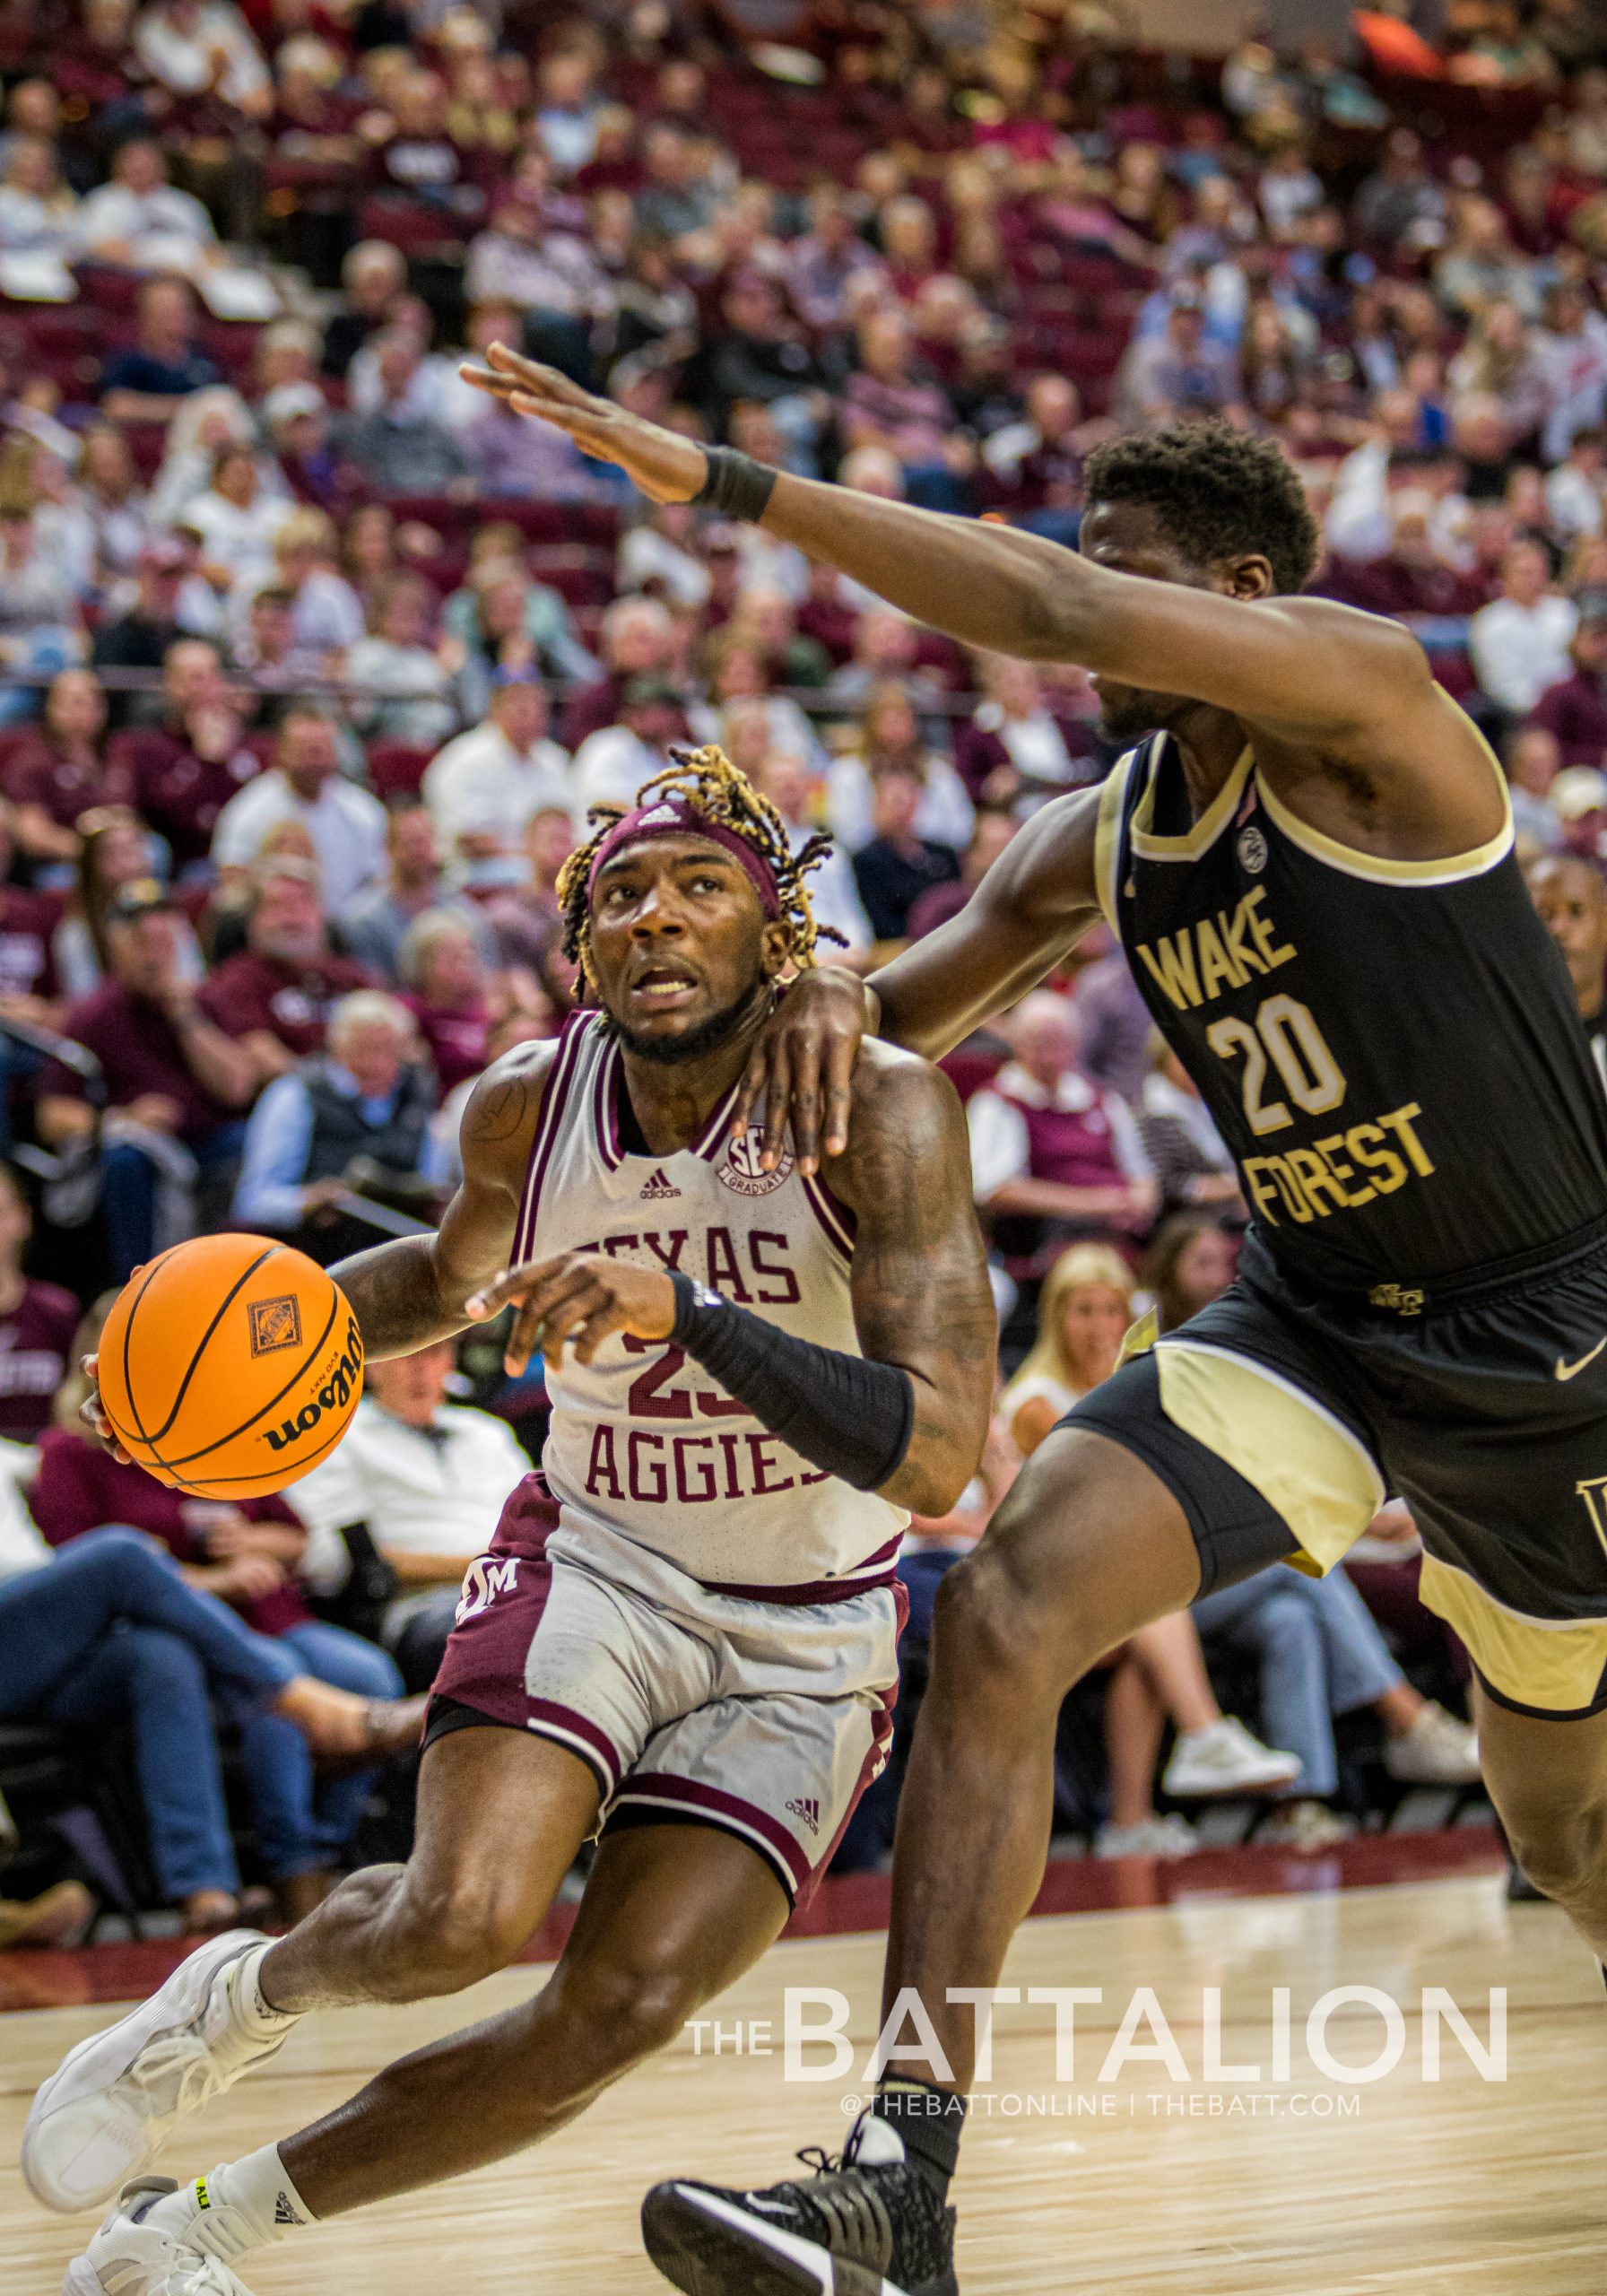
point(802, 1066)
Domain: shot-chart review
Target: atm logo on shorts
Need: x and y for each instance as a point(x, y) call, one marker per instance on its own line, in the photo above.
point(487, 1577)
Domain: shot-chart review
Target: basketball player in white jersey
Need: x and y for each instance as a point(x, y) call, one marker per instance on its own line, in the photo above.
point(685, 1633)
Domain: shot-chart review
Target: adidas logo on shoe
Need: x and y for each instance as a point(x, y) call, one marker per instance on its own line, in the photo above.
point(808, 1811)
point(283, 2213)
point(658, 1188)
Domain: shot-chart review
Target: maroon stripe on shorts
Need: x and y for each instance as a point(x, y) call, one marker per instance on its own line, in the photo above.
point(818, 1590)
point(713, 1804)
point(875, 1760)
point(546, 1718)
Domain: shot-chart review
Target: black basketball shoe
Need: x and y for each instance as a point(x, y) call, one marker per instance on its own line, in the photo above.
point(853, 2228)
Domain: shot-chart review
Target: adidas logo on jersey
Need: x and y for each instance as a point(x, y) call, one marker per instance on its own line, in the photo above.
point(808, 1811)
point(658, 1188)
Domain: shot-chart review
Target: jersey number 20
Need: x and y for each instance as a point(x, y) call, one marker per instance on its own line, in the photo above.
point(1285, 1030)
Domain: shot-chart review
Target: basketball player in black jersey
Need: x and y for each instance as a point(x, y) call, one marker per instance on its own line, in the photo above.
point(1310, 864)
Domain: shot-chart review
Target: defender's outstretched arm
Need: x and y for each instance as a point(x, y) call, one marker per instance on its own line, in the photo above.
point(1318, 668)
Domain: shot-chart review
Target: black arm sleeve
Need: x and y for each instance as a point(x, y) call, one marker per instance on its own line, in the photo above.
point(845, 1416)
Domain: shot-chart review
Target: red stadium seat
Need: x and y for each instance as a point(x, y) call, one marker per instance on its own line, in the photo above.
point(395, 768)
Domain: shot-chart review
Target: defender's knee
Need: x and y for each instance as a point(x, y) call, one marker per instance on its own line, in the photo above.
point(1564, 1853)
point(992, 1626)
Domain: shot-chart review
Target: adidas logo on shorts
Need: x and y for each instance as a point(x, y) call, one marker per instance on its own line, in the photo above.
point(808, 1811)
point(658, 1188)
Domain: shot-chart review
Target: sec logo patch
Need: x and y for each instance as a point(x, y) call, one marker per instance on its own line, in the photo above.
point(740, 1171)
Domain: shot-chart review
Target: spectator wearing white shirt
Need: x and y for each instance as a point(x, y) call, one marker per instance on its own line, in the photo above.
point(238, 519)
point(430, 1479)
point(484, 787)
point(346, 824)
point(196, 48)
point(1518, 644)
point(611, 764)
point(1050, 1147)
point(140, 219)
point(833, 895)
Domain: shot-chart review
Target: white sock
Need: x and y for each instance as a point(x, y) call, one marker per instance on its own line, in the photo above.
point(239, 1998)
point(240, 2206)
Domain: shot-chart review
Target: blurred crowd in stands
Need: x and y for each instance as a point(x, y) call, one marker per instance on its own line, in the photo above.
point(312, 660)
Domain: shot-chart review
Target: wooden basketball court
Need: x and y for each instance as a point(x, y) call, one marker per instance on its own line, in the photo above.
point(1137, 2182)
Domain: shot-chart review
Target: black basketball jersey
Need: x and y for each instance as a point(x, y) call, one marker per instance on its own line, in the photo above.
point(1391, 1049)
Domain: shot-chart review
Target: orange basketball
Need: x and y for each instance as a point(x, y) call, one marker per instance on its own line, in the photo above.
point(230, 1366)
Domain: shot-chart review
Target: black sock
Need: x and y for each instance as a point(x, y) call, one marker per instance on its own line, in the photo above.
point(930, 2120)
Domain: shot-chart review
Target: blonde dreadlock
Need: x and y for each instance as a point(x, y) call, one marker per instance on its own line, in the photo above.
point(721, 792)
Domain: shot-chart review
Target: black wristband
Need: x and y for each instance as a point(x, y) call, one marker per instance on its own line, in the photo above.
point(848, 1417)
point(736, 484)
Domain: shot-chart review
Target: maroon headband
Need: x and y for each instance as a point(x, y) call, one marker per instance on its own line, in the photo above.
point(674, 815)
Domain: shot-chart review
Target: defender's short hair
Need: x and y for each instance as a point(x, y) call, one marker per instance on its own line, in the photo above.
point(1217, 493)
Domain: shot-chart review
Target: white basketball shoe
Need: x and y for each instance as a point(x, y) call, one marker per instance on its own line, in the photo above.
point(131, 2257)
point(104, 2114)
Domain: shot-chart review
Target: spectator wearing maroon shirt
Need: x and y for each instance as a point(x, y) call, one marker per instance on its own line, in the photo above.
point(274, 997)
point(37, 1323)
point(445, 977)
point(187, 768)
point(173, 1078)
point(1015, 746)
point(64, 769)
point(1034, 465)
point(1052, 1157)
point(1574, 710)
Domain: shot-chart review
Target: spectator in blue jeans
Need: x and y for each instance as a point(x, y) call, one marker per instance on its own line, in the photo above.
point(248, 1555)
point(107, 1637)
point(1320, 1655)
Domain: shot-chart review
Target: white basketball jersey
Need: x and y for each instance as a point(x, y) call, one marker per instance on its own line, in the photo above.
point(642, 1440)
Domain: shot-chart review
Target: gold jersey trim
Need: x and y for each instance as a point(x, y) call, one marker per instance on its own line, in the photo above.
point(1455, 869)
point(1107, 836)
point(1211, 823)
point(1554, 1665)
point(1300, 1456)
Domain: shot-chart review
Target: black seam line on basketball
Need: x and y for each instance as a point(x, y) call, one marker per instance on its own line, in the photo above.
point(224, 1305)
point(274, 1402)
point(127, 1327)
point(290, 1469)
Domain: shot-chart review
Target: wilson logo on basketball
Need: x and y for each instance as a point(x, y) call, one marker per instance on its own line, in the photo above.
point(740, 1171)
point(344, 1378)
point(274, 1323)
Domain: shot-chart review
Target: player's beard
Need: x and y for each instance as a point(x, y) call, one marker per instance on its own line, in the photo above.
point(704, 1036)
point(1128, 712)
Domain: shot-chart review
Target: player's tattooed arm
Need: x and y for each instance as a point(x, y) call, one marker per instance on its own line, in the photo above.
point(1034, 905)
point(922, 1299)
point(408, 1293)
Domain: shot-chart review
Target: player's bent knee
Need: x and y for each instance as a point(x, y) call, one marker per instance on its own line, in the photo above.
point(442, 1939)
point(635, 2009)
